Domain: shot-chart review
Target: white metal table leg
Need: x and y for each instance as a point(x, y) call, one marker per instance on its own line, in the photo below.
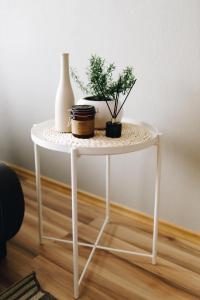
point(156, 204)
point(38, 191)
point(107, 187)
point(74, 220)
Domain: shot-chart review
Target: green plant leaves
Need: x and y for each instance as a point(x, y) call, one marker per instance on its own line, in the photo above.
point(102, 85)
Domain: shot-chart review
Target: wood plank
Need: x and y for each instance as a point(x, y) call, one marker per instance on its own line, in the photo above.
point(110, 275)
point(116, 275)
point(186, 258)
point(165, 227)
point(168, 271)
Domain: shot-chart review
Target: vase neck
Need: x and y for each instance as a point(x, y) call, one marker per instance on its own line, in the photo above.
point(64, 70)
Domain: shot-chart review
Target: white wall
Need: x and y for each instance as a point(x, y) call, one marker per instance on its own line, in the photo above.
point(161, 39)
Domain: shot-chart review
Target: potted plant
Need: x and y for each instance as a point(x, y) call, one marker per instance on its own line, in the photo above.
point(106, 92)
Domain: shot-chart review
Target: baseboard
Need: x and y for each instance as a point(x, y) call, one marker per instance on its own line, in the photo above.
point(165, 227)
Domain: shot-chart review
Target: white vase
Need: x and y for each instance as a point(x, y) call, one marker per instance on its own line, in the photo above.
point(102, 112)
point(64, 97)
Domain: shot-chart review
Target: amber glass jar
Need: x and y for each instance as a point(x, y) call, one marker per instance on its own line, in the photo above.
point(82, 120)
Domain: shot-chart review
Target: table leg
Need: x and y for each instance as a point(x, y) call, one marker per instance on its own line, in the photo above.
point(107, 187)
point(74, 220)
point(156, 204)
point(38, 191)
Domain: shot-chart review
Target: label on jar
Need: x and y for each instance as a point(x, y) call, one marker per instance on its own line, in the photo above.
point(82, 127)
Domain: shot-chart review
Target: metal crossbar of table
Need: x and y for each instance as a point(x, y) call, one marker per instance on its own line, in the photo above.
point(135, 136)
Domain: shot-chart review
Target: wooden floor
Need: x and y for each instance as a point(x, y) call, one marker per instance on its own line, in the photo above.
point(110, 276)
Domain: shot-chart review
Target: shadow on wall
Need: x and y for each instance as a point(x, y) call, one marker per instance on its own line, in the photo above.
point(7, 151)
point(181, 164)
point(183, 139)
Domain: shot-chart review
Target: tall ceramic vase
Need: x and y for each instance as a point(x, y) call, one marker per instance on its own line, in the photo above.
point(64, 97)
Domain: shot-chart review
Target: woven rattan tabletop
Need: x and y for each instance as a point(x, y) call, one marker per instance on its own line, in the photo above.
point(135, 136)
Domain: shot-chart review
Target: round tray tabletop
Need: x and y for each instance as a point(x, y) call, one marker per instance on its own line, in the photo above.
point(135, 136)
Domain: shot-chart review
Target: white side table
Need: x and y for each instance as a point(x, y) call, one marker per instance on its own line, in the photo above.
point(134, 137)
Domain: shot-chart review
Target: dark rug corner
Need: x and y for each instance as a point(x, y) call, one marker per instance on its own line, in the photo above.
point(26, 289)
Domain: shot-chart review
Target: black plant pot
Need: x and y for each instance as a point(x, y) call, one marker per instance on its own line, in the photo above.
point(113, 130)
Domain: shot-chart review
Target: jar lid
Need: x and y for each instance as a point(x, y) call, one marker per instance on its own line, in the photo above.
point(83, 110)
point(83, 107)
